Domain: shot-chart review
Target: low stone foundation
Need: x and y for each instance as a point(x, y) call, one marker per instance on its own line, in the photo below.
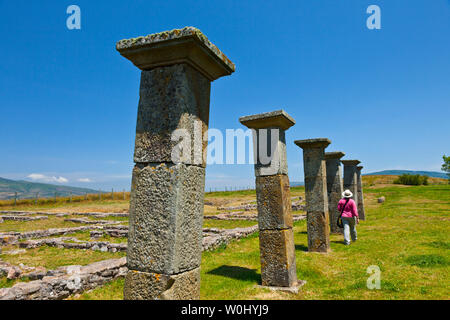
point(86, 221)
point(239, 215)
point(14, 272)
point(298, 205)
point(245, 207)
point(22, 218)
point(115, 232)
point(61, 214)
point(103, 246)
point(7, 238)
point(67, 281)
point(213, 238)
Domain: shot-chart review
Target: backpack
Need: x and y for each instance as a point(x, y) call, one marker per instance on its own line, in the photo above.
point(340, 224)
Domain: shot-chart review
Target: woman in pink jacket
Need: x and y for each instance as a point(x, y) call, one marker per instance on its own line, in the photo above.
point(347, 207)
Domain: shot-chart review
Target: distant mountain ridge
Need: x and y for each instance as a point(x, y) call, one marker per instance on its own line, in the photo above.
point(28, 190)
point(432, 174)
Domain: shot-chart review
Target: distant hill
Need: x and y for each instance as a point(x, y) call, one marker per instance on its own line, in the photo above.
point(296, 184)
point(27, 190)
point(432, 174)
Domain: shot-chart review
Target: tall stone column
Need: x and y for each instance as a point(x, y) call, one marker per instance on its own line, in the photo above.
point(351, 177)
point(334, 187)
point(318, 224)
point(167, 191)
point(361, 211)
point(276, 236)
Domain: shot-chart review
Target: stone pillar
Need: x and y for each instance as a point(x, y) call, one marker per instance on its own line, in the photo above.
point(361, 211)
point(167, 190)
point(351, 178)
point(276, 236)
point(318, 224)
point(334, 187)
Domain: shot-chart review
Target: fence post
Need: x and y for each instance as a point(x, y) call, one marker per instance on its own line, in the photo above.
point(35, 200)
point(124, 196)
point(15, 199)
point(85, 196)
point(55, 197)
point(112, 193)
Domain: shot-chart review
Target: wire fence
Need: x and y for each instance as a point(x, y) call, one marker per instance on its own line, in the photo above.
point(101, 195)
point(228, 189)
point(66, 198)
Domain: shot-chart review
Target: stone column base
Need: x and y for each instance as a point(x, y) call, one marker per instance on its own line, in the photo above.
point(292, 289)
point(277, 250)
point(153, 286)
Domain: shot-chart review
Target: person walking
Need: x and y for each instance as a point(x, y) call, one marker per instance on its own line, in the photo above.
point(349, 214)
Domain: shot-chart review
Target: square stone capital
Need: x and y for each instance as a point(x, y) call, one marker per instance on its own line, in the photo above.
point(350, 162)
point(313, 143)
point(275, 119)
point(188, 45)
point(334, 155)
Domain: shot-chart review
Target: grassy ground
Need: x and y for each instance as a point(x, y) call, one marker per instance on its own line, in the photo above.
point(23, 226)
point(94, 205)
point(52, 258)
point(407, 237)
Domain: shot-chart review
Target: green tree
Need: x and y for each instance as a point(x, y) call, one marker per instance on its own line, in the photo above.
point(446, 166)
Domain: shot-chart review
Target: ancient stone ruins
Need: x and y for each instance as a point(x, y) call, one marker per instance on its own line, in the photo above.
point(165, 239)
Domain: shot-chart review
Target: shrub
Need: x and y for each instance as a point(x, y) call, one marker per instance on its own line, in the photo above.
point(412, 180)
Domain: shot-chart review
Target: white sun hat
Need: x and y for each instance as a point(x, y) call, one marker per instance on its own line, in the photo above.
point(347, 194)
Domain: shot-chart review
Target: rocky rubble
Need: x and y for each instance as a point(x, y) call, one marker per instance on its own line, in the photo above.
point(245, 207)
point(22, 218)
point(101, 214)
point(297, 204)
point(93, 214)
point(63, 282)
point(14, 272)
point(240, 215)
point(213, 238)
point(86, 221)
point(103, 246)
point(14, 237)
point(115, 232)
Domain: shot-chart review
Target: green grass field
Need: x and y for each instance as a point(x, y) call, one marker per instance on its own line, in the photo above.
point(407, 237)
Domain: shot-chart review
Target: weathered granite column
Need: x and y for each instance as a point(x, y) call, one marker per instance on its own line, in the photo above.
point(276, 237)
point(351, 177)
point(318, 225)
point(361, 211)
point(334, 187)
point(167, 191)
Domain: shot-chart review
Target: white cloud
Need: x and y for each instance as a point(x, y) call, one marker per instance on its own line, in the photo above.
point(84, 180)
point(44, 178)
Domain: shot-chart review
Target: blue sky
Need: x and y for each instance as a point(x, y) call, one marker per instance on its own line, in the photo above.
point(69, 100)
